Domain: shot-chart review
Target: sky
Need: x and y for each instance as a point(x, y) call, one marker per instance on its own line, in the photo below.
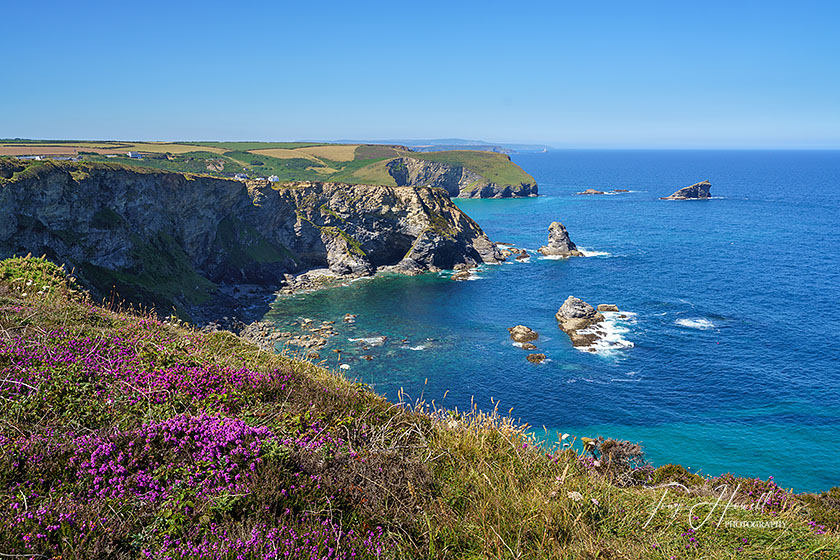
point(733, 74)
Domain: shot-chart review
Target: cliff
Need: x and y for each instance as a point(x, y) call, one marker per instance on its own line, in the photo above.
point(170, 239)
point(465, 174)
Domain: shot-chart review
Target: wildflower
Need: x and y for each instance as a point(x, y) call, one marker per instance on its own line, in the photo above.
point(575, 496)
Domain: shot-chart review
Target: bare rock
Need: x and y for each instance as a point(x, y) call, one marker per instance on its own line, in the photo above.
point(536, 358)
point(607, 307)
point(591, 191)
point(559, 243)
point(693, 192)
point(528, 346)
point(521, 333)
point(574, 316)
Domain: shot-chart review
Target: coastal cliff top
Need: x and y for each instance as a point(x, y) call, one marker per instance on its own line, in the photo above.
point(285, 161)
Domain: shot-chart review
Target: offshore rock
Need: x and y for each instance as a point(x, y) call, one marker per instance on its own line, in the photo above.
point(521, 333)
point(576, 315)
point(693, 192)
point(535, 358)
point(559, 243)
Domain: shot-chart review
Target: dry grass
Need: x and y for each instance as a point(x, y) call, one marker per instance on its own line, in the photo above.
point(284, 153)
point(332, 152)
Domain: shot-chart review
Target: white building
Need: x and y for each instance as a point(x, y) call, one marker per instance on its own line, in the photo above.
point(274, 179)
point(134, 155)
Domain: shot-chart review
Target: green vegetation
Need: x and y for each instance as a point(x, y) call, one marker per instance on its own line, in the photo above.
point(495, 167)
point(161, 277)
point(122, 436)
point(289, 161)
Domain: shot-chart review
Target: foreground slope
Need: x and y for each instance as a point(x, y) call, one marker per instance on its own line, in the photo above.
point(125, 437)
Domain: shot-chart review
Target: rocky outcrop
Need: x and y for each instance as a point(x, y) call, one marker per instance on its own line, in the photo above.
point(559, 243)
point(574, 316)
point(591, 191)
point(535, 358)
point(457, 180)
point(693, 192)
point(169, 239)
point(521, 333)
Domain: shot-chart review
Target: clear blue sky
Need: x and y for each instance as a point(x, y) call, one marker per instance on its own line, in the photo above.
point(570, 74)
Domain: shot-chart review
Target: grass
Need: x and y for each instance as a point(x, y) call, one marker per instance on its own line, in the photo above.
point(290, 161)
point(124, 436)
point(497, 168)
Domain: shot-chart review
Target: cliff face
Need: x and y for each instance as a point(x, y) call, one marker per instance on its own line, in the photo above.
point(168, 238)
point(457, 180)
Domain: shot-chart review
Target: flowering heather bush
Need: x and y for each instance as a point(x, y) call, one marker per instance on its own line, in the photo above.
point(754, 493)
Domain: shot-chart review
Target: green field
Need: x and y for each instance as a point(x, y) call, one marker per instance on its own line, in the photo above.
point(289, 161)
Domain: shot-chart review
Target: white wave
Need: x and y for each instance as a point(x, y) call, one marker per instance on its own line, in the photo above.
point(593, 253)
point(610, 333)
point(696, 323)
point(552, 257)
point(370, 341)
point(523, 260)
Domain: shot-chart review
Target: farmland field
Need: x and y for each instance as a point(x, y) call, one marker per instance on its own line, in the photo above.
point(289, 161)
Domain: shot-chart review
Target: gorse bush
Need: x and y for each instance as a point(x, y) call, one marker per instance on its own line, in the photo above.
point(122, 436)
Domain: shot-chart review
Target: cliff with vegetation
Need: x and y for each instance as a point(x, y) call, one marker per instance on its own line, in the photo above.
point(465, 174)
point(462, 173)
point(167, 239)
point(124, 437)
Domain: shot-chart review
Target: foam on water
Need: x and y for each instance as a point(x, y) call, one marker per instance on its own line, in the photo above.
point(696, 323)
point(611, 333)
point(370, 341)
point(592, 253)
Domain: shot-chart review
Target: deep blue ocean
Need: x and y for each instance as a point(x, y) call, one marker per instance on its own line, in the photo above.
point(730, 361)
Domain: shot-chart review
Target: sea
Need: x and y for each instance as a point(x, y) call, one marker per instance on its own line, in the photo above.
point(727, 358)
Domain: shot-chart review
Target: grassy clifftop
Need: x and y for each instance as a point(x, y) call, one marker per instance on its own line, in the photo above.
point(289, 161)
point(125, 437)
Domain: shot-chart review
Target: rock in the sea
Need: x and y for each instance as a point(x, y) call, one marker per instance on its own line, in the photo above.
point(521, 333)
point(559, 243)
point(607, 307)
point(621, 190)
point(528, 346)
point(692, 192)
point(536, 358)
point(576, 315)
point(591, 191)
point(461, 275)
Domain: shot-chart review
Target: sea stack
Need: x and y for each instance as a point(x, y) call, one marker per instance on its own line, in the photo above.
point(577, 315)
point(559, 243)
point(696, 191)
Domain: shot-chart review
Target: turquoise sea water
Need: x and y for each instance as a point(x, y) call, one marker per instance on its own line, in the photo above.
point(730, 361)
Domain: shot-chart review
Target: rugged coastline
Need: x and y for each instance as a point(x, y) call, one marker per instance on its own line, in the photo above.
point(181, 241)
